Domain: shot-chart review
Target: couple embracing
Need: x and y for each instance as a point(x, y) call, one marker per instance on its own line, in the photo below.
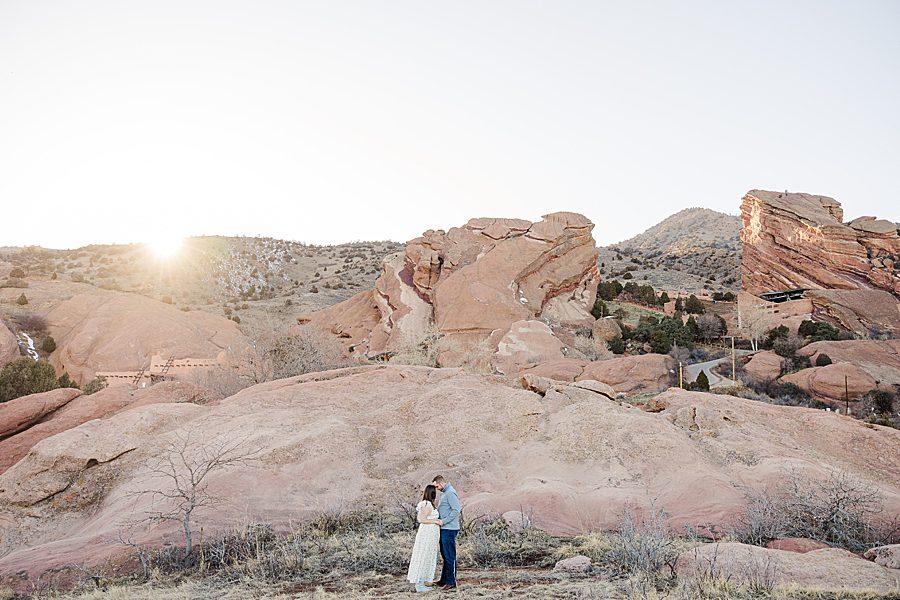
point(438, 527)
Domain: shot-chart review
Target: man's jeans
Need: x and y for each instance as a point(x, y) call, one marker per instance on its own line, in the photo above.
point(448, 554)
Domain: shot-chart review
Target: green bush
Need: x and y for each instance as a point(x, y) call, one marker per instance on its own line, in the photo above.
point(599, 309)
point(823, 360)
point(66, 382)
point(694, 306)
point(49, 344)
point(617, 345)
point(26, 376)
point(95, 385)
point(701, 383)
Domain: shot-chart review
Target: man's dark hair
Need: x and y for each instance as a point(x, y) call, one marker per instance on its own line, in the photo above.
point(437, 478)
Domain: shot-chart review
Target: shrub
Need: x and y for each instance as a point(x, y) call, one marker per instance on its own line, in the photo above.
point(599, 310)
point(694, 305)
point(837, 510)
point(166, 299)
point(48, 345)
point(786, 346)
point(26, 376)
point(66, 382)
point(879, 401)
point(823, 360)
point(702, 382)
point(22, 300)
point(14, 282)
point(17, 273)
point(95, 385)
point(617, 345)
point(236, 319)
point(627, 275)
point(30, 322)
point(593, 349)
point(644, 544)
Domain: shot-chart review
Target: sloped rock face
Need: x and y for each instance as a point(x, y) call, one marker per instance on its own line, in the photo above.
point(863, 312)
point(105, 331)
point(572, 458)
point(627, 374)
point(472, 281)
point(26, 421)
point(878, 358)
point(794, 240)
point(9, 348)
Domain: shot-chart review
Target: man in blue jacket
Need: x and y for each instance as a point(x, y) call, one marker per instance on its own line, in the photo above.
point(449, 509)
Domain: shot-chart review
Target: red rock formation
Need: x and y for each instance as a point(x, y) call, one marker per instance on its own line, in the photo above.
point(9, 347)
point(572, 457)
point(472, 281)
point(108, 331)
point(793, 240)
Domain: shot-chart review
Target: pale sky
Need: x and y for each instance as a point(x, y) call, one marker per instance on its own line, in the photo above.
point(334, 121)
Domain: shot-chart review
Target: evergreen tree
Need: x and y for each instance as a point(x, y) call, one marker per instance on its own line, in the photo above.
point(694, 306)
point(25, 376)
point(679, 305)
point(702, 382)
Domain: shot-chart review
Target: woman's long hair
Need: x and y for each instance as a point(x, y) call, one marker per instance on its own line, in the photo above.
point(430, 494)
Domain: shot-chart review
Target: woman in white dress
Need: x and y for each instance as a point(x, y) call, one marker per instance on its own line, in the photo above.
point(425, 551)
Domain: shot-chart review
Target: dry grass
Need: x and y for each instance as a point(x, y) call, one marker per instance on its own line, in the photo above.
point(364, 555)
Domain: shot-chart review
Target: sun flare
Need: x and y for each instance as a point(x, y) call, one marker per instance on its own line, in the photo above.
point(165, 246)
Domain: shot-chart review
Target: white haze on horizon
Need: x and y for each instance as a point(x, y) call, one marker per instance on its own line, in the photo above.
point(327, 122)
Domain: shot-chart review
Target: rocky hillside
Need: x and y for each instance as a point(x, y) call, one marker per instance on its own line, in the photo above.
point(694, 249)
point(258, 282)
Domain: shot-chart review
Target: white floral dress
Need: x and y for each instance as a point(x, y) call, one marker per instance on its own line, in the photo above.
point(423, 563)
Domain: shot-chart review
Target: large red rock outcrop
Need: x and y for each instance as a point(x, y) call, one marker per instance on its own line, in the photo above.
point(9, 347)
point(21, 413)
point(764, 366)
point(794, 240)
point(107, 331)
point(571, 457)
point(472, 281)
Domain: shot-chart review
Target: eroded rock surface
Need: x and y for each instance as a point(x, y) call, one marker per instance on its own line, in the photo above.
point(572, 458)
point(795, 240)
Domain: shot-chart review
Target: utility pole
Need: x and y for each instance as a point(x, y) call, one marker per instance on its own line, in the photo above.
point(733, 361)
point(680, 376)
point(846, 396)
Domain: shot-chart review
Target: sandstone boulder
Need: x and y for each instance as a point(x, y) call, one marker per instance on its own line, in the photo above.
point(827, 569)
point(632, 374)
point(627, 374)
point(886, 556)
point(606, 330)
point(516, 520)
point(794, 240)
point(107, 331)
point(575, 564)
point(526, 343)
point(833, 381)
point(9, 347)
point(764, 366)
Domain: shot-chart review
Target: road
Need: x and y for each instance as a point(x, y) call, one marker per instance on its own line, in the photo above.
point(715, 380)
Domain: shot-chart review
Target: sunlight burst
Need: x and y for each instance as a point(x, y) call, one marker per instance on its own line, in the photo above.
point(165, 246)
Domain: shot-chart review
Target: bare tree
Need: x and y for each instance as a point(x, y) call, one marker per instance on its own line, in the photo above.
point(184, 467)
point(753, 320)
point(710, 326)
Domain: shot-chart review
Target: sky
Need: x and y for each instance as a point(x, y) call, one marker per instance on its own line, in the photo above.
point(334, 121)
